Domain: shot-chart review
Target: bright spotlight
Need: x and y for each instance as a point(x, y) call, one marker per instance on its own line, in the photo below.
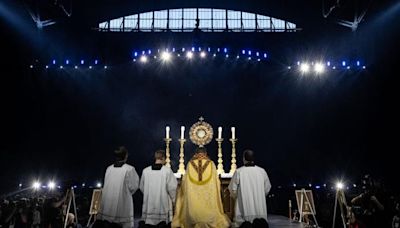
point(166, 56)
point(67, 62)
point(339, 185)
point(319, 68)
point(31, 66)
point(189, 54)
point(61, 67)
point(51, 185)
point(143, 59)
point(36, 185)
point(98, 185)
point(82, 62)
point(96, 62)
point(90, 67)
point(202, 54)
point(304, 68)
point(47, 67)
point(76, 67)
point(105, 67)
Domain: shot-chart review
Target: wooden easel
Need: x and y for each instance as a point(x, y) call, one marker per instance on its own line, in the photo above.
point(71, 200)
point(341, 199)
point(309, 206)
point(94, 206)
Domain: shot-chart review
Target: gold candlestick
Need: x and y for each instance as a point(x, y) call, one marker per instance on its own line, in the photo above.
point(167, 152)
point(181, 169)
point(220, 167)
point(233, 161)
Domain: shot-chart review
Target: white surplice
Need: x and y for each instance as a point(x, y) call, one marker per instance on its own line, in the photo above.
point(159, 193)
point(251, 185)
point(116, 199)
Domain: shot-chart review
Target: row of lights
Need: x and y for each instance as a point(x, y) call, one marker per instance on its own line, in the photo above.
point(51, 185)
point(75, 67)
point(320, 67)
point(339, 185)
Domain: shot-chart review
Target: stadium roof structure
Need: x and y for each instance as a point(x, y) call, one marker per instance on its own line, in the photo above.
point(200, 19)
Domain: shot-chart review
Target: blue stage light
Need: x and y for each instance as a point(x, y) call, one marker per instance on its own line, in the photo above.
point(173, 49)
point(348, 67)
point(47, 67)
point(317, 187)
point(199, 48)
point(76, 67)
point(143, 52)
point(249, 58)
point(328, 63)
point(193, 48)
point(225, 50)
point(67, 62)
point(364, 67)
point(183, 49)
point(208, 49)
point(227, 56)
point(90, 67)
point(237, 57)
point(289, 67)
point(135, 54)
point(218, 50)
point(105, 67)
point(82, 62)
point(343, 63)
point(358, 63)
point(54, 61)
point(149, 51)
point(61, 67)
point(298, 63)
point(258, 60)
point(249, 52)
point(265, 55)
point(96, 62)
point(215, 55)
point(243, 52)
point(257, 54)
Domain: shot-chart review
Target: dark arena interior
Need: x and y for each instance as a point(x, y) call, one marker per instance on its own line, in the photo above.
point(310, 86)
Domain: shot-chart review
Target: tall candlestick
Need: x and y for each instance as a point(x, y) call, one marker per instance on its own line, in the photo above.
point(167, 132)
point(233, 132)
point(182, 132)
point(220, 167)
point(233, 161)
point(167, 151)
point(219, 132)
point(181, 169)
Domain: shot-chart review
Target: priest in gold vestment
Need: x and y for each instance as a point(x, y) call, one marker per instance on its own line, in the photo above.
point(198, 203)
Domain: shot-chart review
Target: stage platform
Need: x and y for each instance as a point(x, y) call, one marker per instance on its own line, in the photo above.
point(275, 221)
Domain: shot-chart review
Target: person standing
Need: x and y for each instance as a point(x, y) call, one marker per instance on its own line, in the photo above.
point(158, 185)
point(250, 185)
point(198, 204)
point(120, 182)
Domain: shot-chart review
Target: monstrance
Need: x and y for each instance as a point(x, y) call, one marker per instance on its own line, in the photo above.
point(201, 133)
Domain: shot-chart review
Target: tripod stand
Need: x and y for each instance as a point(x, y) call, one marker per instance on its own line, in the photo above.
point(71, 200)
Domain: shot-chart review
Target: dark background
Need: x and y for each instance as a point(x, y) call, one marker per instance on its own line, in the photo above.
point(65, 124)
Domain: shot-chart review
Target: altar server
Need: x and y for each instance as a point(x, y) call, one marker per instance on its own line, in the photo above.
point(158, 185)
point(120, 183)
point(199, 204)
point(249, 185)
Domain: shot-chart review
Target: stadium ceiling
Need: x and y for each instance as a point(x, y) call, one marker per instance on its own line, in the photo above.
point(192, 19)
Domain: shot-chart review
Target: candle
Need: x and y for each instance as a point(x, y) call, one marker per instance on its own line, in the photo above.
point(233, 132)
point(183, 132)
point(167, 132)
point(219, 132)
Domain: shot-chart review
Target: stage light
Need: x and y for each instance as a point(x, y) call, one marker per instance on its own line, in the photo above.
point(193, 49)
point(237, 57)
point(173, 49)
point(31, 66)
point(257, 54)
point(217, 49)
point(20, 185)
point(289, 67)
point(98, 185)
point(105, 67)
point(258, 60)
point(354, 185)
point(243, 52)
point(166, 56)
point(265, 55)
point(149, 52)
point(225, 50)
point(304, 68)
point(76, 67)
point(143, 59)
point(208, 49)
point(215, 55)
point(310, 185)
point(319, 68)
point(61, 67)
point(334, 68)
point(83, 185)
point(343, 63)
point(317, 187)
point(328, 63)
point(134, 60)
point(294, 185)
point(183, 49)
point(348, 67)
point(90, 67)
point(249, 52)
point(143, 52)
point(36, 185)
point(67, 62)
point(324, 185)
point(51, 185)
point(249, 58)
point(298, 63)
point(189, 55)
point(135, 54)
point(82, 62)
point(358, 63)
point(226, 56)
point(54, 62)
point(96, 62)
point(364, 67)
point(199, 48)
point(202, 54)
point(339, 185)
point(155, 57)
point(179, 55)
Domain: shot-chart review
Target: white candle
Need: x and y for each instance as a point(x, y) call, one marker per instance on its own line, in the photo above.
point(219, 132)
point(182, 132)
point(233, 132)
point(167, 132)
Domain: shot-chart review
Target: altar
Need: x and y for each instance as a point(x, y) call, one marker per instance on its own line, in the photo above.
point(201, 133)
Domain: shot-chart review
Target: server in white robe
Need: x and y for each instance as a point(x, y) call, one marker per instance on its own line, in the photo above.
point(120, 182)
point(249, 185)
point(158, 185)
